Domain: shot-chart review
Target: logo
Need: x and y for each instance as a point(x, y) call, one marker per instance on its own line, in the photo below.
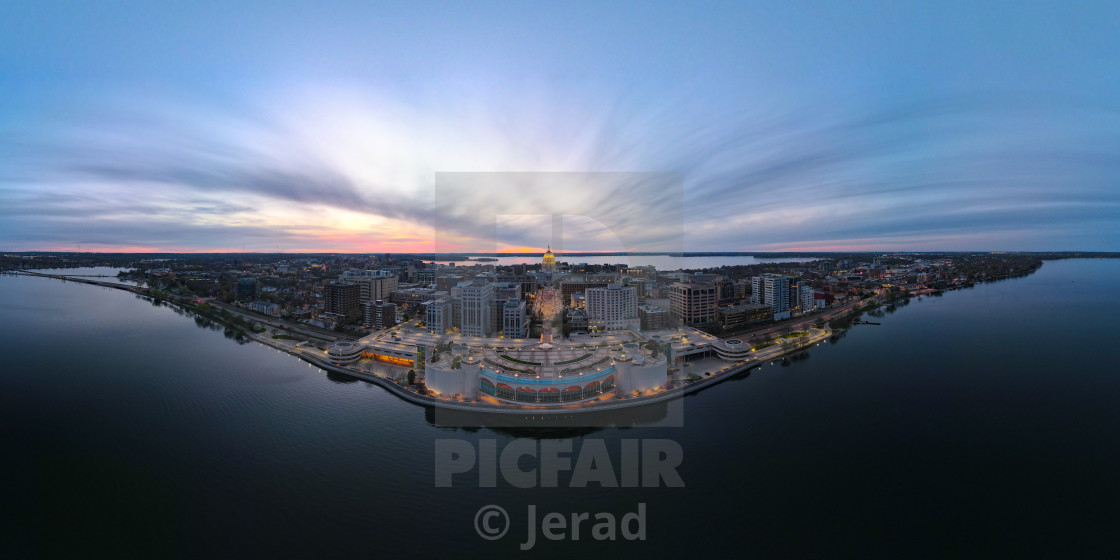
point(645, 463)
point(491, 522)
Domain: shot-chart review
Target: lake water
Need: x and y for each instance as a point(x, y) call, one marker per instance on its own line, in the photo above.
point(983, 423)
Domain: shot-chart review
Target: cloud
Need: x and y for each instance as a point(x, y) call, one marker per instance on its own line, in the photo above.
point(951, 165)
point(366, 172)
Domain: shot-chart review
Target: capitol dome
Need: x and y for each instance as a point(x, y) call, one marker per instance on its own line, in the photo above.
point(549, 261)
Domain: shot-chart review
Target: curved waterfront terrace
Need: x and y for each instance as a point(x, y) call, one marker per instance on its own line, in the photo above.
point(543, 392)
point(542, 375)
point(531, 380)
point(816, 337)
point(549, 363)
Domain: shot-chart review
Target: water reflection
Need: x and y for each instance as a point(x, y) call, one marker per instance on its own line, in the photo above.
point(341, 379)
point(557, 425)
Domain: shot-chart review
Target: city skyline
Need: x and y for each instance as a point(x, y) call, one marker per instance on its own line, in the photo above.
point(863, 127)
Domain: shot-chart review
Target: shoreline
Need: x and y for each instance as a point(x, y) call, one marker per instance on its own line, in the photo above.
point(777, 351)
point(614, 404)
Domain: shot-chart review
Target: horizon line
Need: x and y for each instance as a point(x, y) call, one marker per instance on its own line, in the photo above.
point(568, 253)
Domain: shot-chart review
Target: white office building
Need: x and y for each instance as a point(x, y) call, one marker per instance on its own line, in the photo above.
point(437, 315)
point(514, 322)
point(265, 307)
point(476, 301)
point(612, 308)
point(808, 298)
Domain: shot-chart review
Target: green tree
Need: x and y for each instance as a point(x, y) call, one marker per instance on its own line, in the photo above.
point(354, 316)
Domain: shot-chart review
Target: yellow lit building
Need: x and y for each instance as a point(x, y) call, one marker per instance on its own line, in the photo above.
point(549, 261)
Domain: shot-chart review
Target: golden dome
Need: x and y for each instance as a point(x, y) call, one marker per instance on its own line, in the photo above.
point(549, 260)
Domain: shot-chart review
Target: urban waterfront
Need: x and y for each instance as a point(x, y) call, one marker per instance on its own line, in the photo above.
point(661, 262)
point(977, 423)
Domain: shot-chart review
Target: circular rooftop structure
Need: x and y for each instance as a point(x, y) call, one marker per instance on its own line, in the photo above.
point(345, 352)
point(732, 350)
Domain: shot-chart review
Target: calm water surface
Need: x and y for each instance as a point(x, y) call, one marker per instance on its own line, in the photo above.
point(983, 423)
point(103, 273)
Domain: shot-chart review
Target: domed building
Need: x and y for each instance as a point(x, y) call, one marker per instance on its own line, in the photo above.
point(549, 261)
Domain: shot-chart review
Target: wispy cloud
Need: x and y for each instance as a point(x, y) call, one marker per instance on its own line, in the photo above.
point(345, 172)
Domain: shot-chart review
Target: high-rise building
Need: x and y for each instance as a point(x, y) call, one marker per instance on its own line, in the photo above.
point(502, 291)
point(248, 289)
point(437, 315)
point(614, 307)
point(741, 287)
point(641, 287)
point(425, 277)
point(652, 318)
point(372, 285)
point(341, 297)
point(447, 281)
point(781, 293)
point(456, 298)
point(569, 287)
point(380, 314)
point(507, 290)
point(775, 291)
point(526, 281)
point(757, 296)
point(514, 322)
point(692, 304)
point(725, 289)
point(476, 307)
point(808, 298)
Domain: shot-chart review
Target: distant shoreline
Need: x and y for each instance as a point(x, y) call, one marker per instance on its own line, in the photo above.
point(1044, 255)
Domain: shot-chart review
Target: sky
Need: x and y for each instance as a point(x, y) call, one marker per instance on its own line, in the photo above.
point(588, 126)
